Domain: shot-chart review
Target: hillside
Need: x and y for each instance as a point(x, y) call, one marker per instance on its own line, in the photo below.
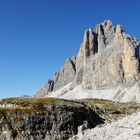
point(56, 119)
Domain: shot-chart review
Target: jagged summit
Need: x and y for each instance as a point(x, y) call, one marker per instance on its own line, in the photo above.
point(108, 58)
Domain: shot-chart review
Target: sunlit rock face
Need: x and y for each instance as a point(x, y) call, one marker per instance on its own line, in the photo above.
point(48, 87)
point(108, 57)
point(66, 75)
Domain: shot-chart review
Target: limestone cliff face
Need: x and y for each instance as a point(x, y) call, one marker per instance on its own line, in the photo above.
point(111, 59)
point(108, 57)
point(48, 87)
point(66, 75)
point(62, 78)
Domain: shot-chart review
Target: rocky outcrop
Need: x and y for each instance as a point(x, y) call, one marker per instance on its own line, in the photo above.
point(108, 57)
point(55, 119)
point(66, 75)
point(48, 87)
point(44, 119)
point(127, 129)
point(61, 78)
point(115, 62)
point(130, 61)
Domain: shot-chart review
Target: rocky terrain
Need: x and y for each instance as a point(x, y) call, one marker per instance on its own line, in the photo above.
point(108, 59)
point(95, 95)
point(127, 128)
point(43, 119)
point(56, 119)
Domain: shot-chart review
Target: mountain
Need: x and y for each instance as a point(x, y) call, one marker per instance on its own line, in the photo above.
point(107, 66)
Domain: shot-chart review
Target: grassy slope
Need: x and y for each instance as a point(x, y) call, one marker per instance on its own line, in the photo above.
point(107, 109)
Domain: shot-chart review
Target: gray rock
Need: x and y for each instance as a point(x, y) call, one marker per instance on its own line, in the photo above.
point(108, 57)
point(66, 75)
point(48, 87)
point(45, 119)
point(116, 62)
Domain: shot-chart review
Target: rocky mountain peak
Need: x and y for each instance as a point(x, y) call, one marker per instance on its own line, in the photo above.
point(108, 57)
point(119, 29)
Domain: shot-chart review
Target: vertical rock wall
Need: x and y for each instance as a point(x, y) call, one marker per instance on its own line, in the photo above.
point(108, 57)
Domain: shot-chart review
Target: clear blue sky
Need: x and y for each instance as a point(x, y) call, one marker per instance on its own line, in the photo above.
point(36, 36)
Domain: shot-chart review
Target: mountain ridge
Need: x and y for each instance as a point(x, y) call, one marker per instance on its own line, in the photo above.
point(108, 57)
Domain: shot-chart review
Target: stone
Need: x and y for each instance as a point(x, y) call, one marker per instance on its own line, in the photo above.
point(48, 87)
point(109, 31)
point(130, 61)
point(66, 75)
point(45, 119)
point(56, 75)
point(108, 57)
point(101, 39)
